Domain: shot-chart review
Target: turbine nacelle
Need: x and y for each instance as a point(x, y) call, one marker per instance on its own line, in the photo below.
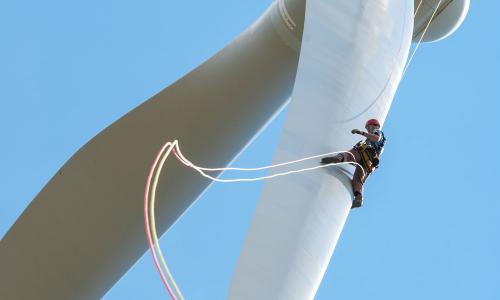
point(448, 17)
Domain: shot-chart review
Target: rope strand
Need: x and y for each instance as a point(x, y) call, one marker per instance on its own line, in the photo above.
point(148, 227)
point(171, 147)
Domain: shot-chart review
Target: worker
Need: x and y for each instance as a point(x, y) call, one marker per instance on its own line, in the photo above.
point(365, 153)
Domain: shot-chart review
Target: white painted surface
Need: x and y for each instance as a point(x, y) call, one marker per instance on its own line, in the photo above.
point(353, 53)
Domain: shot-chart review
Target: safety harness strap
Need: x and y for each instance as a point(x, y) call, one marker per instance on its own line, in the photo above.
point(369, 157)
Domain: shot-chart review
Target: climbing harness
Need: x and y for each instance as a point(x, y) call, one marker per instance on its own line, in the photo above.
point(369, 157)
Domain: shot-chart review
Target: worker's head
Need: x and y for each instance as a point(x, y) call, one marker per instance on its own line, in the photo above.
point(372, 124)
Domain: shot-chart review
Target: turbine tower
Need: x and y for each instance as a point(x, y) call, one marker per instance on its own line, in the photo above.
point(335, 63)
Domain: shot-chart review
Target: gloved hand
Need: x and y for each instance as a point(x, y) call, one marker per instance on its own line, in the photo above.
point(356, 131)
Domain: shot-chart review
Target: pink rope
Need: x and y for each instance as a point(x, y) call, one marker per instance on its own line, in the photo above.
point(146, 221)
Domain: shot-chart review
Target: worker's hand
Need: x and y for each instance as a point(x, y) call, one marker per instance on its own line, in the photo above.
point(356, 131)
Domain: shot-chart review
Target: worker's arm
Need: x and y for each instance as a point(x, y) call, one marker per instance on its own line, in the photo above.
point(371, 136)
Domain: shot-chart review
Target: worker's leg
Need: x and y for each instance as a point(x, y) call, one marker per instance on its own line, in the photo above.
point(357, 182)
point(358, 178)
point(357, 187)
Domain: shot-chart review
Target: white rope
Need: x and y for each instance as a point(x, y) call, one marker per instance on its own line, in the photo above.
point(201, 170)
point(421, 38)
point(418, 7)
point(269, 176)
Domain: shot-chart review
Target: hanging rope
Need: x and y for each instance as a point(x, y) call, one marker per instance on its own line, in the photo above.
point(416, 10)
point(421, 37)
point(147, 224)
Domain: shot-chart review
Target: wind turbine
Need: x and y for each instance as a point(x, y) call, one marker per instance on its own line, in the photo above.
point(333, 62)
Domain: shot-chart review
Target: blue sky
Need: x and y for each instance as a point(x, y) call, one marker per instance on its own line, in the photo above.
point(430, 228)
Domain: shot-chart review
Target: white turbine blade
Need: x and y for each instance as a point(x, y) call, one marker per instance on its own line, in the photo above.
point(85, 229)
point(352, 57)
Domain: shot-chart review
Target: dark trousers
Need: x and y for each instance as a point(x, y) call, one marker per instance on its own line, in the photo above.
point(359, 177)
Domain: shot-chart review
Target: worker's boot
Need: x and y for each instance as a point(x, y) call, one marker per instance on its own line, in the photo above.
point(358, 201)
point(332, 159)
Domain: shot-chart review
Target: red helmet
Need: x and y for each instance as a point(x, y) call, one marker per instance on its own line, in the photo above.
point(373, 122)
